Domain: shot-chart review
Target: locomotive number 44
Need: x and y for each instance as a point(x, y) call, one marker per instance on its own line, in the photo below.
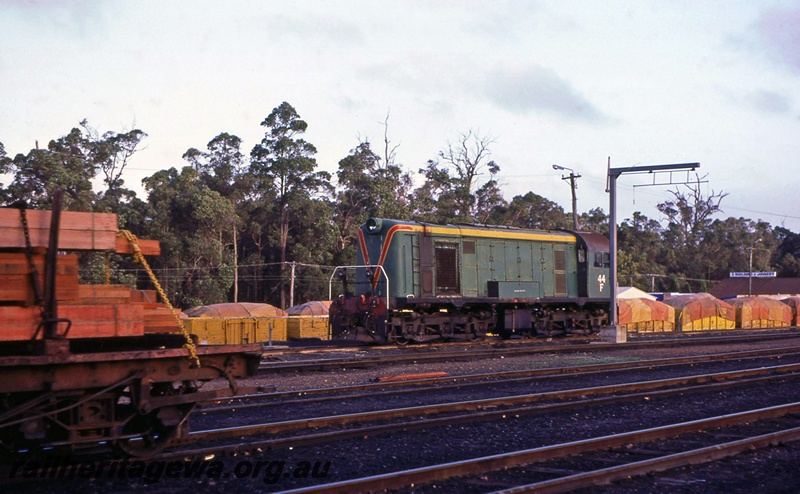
point(601, 281)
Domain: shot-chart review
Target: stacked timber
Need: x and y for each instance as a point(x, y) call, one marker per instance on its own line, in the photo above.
point(93, 310)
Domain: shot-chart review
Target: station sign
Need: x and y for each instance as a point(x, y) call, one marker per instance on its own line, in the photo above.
point(755, 274)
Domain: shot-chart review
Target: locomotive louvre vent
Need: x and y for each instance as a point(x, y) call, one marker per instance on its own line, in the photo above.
point(560, 260)
point(447, 278)
point(560, 268)
point(468, 246)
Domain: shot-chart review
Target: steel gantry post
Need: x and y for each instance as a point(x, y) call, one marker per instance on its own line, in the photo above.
point(613, 174)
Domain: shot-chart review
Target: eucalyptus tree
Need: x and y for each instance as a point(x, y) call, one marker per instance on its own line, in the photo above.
point(111, 153)
point(222, 169)
point(5, 166)
point(536, 212)
point(688, 219)
point(64, 164)
point(192, 222)
point(689, 214)
point(490, 206)
point(283, 167)
point(786, 257)
point(366, 188)
point(640, 248)
point(454, 180)
point(435, 200)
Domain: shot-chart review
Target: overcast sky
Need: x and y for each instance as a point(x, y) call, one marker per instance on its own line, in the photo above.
point(566, 82)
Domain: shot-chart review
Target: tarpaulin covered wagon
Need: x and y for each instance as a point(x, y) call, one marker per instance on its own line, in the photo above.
point(761, 312)
point(309, 320)
point(794, 305)
point(234, 323)
point(702, 311)
point(645, 315)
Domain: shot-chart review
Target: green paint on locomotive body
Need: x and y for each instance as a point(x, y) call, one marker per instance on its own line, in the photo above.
point(426, 260)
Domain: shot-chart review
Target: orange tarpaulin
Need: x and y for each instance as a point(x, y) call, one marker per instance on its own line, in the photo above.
point(641, 314)
point(794, 304)
point(244, 309)
point(316, 308)
point(702, 311)
point(761, 312)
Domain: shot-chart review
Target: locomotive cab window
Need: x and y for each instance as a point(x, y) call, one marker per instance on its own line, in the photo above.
point(447, 277)
point(602, 259)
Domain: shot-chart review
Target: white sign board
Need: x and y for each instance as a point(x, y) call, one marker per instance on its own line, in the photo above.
point(759, 274)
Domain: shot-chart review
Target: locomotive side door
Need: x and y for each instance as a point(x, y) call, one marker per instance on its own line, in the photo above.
point(469, 268)
point(490, 255)
point(548, 274)
point(426, 262)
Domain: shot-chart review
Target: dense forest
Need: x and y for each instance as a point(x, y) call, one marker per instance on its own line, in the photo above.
point(246, 226)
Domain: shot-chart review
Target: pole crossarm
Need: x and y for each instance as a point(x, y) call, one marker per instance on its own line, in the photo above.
point(616, 172)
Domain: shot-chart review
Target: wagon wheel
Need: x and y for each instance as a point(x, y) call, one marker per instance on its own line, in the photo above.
point(152, 432)
point(153, 436)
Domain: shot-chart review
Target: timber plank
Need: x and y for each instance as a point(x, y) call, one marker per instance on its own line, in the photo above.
point(15, 277)
point(147, 247)
point(88, 321)
point(103, 294)
point(78, 231)
point(159, 320)
point(144, 296)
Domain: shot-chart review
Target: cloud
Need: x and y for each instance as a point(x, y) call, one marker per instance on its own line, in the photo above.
point(538, 88)
point(769, 102)
point(79, 16)
point(314, 26)
point(780, 27)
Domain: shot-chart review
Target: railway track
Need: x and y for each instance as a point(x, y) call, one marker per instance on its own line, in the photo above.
point(783, 431)
point(439, 414)
point(412, 386)
point(588, 405)
point(466, 353)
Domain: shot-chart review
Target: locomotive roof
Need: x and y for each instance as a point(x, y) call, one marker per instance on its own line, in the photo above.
point(478, 230)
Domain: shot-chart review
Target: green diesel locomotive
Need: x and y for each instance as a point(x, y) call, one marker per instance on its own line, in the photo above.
point(421, 282)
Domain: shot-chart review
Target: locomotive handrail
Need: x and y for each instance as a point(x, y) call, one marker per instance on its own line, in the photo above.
point(368, 266)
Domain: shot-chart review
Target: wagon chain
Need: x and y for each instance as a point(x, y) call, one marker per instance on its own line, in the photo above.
point(35, 280)
point(139, 257)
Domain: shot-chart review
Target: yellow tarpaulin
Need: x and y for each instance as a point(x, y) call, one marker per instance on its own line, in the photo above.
point(644, 315)
point(761, 312)
point(702, 311)
point(243, 309)
point(794, 304)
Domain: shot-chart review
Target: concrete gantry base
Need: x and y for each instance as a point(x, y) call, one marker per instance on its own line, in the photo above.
point(613, 334)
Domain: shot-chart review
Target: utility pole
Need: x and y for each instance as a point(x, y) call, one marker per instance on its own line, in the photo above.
point(574, 186)
point(750, 273)
point(291, 285)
